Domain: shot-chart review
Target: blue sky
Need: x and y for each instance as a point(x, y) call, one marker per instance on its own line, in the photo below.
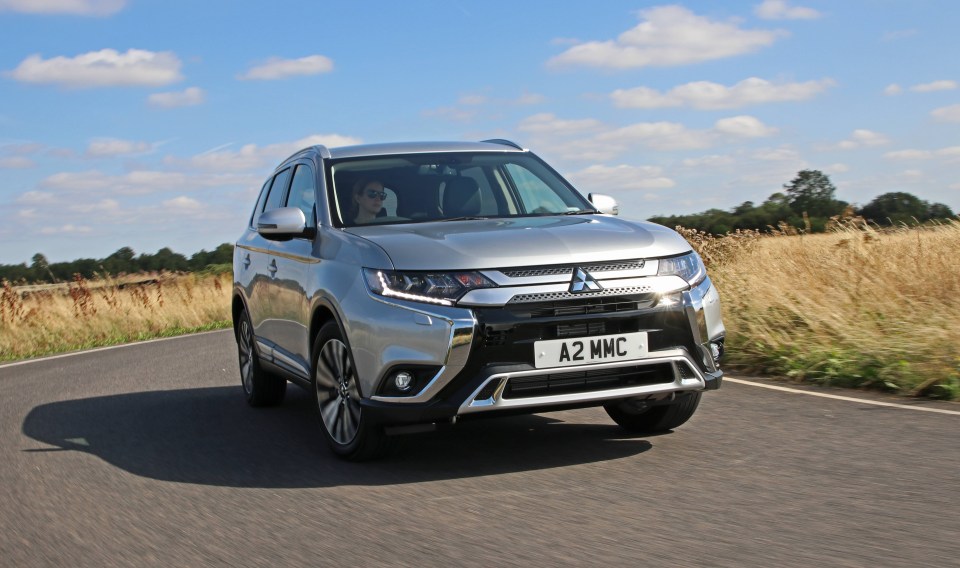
point(150, 124)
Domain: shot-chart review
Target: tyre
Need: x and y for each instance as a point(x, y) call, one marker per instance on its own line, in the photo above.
point(634, 416)
point(260, 387)
point(351, 434)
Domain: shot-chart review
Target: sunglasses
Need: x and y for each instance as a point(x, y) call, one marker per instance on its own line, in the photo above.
point(372, 193)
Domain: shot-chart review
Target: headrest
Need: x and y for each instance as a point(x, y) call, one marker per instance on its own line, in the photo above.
point(461, 197)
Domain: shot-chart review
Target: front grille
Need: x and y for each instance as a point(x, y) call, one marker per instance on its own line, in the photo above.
point(586, 381)
point(568, 270)
point(552, 296)
point(581, 329)
point(584, 306)
point(494, 338)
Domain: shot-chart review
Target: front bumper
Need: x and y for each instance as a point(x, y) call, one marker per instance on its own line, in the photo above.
point(489, 365)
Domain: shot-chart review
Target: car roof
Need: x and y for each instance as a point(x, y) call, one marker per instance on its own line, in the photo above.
point(364, 150)
point(393, 148)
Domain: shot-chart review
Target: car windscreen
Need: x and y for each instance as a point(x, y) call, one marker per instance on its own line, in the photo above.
point(413, 188)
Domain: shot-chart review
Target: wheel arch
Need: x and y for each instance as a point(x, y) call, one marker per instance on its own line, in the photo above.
point(237, 307)
point(322, 313)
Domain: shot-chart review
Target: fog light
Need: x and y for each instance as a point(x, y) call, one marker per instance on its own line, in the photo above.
point(716, 349)
point(403, 381)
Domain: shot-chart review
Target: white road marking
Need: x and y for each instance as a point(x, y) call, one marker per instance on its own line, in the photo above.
point(109, 347)
point(838, 397)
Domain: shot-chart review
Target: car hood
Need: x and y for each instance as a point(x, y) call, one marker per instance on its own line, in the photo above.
point(521, 241)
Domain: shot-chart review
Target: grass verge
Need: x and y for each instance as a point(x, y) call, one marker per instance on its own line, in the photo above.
point(856, 307)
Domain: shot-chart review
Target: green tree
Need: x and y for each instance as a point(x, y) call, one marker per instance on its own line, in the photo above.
point(40, 269)
point(812, 192)
point(899, 207)
point(121, 261)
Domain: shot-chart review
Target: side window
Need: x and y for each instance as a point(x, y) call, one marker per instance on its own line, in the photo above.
point(303, 194)
point(536, 195)
point(275, 199)
point(260, 202)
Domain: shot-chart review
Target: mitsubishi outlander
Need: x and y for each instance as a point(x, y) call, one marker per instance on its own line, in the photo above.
point(410, 285)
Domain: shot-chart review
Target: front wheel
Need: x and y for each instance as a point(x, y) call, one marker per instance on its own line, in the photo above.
point(633, 415)
point(350, 433)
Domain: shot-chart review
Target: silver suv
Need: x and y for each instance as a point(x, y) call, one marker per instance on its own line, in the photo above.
point(411, 285)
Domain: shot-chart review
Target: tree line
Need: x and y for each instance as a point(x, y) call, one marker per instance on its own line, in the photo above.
point(808, 202)
point(124, 261)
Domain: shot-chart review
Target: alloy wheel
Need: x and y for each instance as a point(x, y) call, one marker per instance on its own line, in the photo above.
point(337, 394)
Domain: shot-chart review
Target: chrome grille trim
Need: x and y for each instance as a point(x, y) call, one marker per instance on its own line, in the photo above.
point(568, 270)
point(550, 296)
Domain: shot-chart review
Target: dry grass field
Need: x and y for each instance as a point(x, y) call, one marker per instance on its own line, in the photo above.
point(40, 320)
point(855, 307)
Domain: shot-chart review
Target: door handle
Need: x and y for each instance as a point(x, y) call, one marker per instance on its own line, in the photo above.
point(273, 268)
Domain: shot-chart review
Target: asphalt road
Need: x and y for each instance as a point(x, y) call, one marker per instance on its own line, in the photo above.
point(147, 455)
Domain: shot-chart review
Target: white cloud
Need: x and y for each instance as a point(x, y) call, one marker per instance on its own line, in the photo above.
point(947, 114)
point(658, 136)
point(838, 168)
point(950, 152)
point(711, 161)
point(605, 178)
point(68, 229)
point(36, 198)
point(781, 10)
point(943, 85)
point(251, 156)
point(589, 140)
point(183, 204)
point(278, 68)
point(140, 182)
point(668, 36)
point(529, 99)
point(16, 163)
point(861, 138)
point(78, 7)
point(910, 154)
point(776, 155)
point(191, 96)
point(104, 68)
point(547, 123)
point(707, 95)
point(744, 126)
point(109, 147)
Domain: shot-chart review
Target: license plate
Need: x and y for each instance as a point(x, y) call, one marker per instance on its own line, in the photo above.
point(589, 350)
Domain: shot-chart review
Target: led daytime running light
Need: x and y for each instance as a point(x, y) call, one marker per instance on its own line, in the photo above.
point(388, 291)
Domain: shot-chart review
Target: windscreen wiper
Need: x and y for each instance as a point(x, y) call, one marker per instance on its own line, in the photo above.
point(465, 218)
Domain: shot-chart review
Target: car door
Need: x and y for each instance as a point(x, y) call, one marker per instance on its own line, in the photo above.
point(266, 307)
point(251, 264)
point(294, 259)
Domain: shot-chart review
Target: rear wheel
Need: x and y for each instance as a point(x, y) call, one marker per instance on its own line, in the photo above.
point(636, 416)
point(351, 434)
point(260, 387)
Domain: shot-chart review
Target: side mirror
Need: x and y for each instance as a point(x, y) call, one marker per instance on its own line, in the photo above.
point(604, 203)
point(282, 223)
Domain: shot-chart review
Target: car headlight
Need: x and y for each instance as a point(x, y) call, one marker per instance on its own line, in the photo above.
point(443, 288)
point(689, 267)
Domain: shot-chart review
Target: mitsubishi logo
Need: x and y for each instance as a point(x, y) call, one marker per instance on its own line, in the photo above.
point(583, 282)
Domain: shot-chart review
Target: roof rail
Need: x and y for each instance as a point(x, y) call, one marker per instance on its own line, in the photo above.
point(324, 153)
point(503, 142)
